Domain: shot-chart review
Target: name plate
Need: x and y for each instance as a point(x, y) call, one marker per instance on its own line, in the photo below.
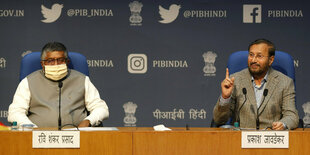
point(265, 139)
point(55, 139)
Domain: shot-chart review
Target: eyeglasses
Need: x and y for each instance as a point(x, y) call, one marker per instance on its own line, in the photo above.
point(258, 57)
point(52, 61)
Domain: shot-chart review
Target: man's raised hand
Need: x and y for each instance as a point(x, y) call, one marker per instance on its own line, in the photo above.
point(227, 85)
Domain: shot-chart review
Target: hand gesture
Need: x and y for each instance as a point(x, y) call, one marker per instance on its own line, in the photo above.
point(227, 85)
point(277, 126)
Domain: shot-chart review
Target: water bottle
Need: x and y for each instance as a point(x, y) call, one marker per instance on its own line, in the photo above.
point(236, 126)
point(14, 126)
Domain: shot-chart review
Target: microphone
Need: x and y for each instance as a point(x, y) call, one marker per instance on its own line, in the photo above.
point(265, 93)
point(238, 112)
point(59, 108)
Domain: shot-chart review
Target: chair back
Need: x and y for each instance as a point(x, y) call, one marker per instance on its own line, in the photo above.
point(31, 63)
point(283, 62)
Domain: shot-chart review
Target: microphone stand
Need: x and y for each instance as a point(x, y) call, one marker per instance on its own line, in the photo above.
point(59, 108)
point(265, 93)
point(238, 112)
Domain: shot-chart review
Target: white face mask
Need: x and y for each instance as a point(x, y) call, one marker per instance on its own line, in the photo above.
point(55, 72)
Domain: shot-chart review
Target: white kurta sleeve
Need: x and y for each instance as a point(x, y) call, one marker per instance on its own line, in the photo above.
point(94, 104)
point(18, 110)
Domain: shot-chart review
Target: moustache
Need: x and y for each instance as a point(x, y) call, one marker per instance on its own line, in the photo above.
point(254, 63)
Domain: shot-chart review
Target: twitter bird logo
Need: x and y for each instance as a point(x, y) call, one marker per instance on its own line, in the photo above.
point(52, 14)
point(170, 15)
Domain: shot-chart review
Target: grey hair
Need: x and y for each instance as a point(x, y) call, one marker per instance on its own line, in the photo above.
point(53, 46)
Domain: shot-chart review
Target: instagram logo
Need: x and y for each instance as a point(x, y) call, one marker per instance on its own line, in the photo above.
point(137, 63)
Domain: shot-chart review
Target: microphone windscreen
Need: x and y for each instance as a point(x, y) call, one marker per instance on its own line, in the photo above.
point(244, 91)
point(60, 84)
point(265, 92)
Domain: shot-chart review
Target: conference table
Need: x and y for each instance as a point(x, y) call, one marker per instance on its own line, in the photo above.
point(146, 141)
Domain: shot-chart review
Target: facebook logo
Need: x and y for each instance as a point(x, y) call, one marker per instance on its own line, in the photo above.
point(252, 13)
